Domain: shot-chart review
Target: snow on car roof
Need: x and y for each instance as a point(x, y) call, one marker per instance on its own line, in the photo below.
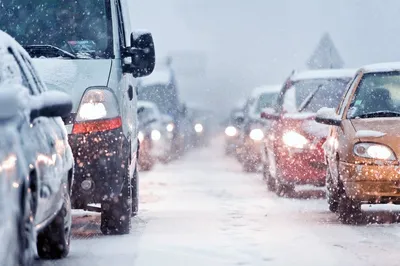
point(382, 67)
point(324, 74)
point(146, 104)
point(266, 88)
point(157, 77)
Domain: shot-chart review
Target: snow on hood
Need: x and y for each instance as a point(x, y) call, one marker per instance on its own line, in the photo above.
point(73, 76)
point(369, 134)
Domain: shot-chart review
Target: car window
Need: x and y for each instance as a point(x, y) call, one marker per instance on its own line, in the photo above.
point(26, 77)
point(377, 94)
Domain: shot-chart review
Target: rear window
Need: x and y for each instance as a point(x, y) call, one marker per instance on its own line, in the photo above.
point(329, 95)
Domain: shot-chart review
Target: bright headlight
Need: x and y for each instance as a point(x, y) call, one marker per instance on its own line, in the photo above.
point(374, 151)
point(198, 128)
point(231, 131)
point(170, 127)
point(294, 140)
point(140, 136)
point(257, 134)
point(155, 135)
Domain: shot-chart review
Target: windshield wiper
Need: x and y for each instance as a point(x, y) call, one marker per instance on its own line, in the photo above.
point(386, 113)
point(46, 50)
point(307, 101)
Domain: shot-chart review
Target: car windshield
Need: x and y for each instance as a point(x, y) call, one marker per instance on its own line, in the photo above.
point(82, 28)
point(378, 95)
point(329, 94)
point(265, 100)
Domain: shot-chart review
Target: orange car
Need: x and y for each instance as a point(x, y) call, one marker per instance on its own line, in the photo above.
point(363, 147)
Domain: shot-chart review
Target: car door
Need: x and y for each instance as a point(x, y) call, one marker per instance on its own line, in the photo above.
point(42, 137)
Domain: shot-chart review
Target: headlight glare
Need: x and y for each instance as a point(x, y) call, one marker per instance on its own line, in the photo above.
point(155, 135)
point(257, 134)
point(140, 136)
point(374, 151)
point(198, 128)
point(293, 139)
point(231, 131)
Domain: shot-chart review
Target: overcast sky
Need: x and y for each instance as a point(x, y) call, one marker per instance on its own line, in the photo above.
point(254, 42)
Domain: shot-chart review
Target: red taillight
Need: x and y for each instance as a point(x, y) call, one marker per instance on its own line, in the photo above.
point(96, 126)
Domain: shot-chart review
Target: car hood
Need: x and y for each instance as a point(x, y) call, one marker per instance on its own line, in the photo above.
point(73, 76)
point(308, 124)
point(377, 128)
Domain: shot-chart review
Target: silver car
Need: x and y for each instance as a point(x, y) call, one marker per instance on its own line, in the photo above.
point(87, 49)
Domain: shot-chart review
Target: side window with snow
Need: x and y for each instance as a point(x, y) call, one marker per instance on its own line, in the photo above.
point(23, 72)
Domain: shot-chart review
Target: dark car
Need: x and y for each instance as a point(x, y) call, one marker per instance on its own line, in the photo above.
point(45, 164)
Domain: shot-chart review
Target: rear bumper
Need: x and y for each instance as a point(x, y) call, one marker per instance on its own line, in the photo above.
point(303, 167)
point(371, 183)
point(100, 158)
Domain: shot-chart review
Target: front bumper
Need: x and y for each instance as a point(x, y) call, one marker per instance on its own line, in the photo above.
point(371, 183)
point(102, 159)
point(302, 167)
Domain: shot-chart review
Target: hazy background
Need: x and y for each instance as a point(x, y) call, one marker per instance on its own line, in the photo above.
point(248, 43)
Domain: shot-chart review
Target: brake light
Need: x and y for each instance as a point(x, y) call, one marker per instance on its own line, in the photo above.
point(98, 111)
point(97, 126)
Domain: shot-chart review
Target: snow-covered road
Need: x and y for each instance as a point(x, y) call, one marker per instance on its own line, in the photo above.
point(203, 210)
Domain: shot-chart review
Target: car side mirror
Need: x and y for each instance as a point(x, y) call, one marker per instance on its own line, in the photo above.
point(328, 116)
point(51, 104)
point(143, 54)
point(269, 114)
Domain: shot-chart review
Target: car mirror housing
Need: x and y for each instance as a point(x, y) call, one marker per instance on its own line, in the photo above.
point(51, 104)
point(328, 116)
point(142, 53)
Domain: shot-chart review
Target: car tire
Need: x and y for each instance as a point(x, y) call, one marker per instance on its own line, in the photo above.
point(332, 193)
point(116, 212)
point(54, 241)
point(26, 237)
point(349, 210)
point(135, 193)
point(268, 178)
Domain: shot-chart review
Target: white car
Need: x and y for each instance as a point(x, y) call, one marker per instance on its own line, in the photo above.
point(155, 137)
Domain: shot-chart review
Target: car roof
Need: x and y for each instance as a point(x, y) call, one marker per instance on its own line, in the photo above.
point(265, 89)
point(381, 67)
point(147, 104)
point(324, 74)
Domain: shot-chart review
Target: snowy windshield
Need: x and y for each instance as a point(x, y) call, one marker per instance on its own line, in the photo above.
point(377, 95)
point(329, 94)
point(79, 27)
point(266, 100)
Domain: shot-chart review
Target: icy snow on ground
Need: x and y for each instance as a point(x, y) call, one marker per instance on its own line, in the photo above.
point(203, 210)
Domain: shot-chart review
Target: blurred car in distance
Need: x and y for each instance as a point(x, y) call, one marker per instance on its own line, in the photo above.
point(232, 131)
point(155, 140)
point(254, 128)
point(293, 153)
point(362, 150)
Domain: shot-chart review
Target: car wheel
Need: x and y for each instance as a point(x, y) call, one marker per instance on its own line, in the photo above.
point(134, 193)
point(268, 178)
point(332, 193)
point(54, 241)
point(26, 237)
point(116, 212)
point(349, 210)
